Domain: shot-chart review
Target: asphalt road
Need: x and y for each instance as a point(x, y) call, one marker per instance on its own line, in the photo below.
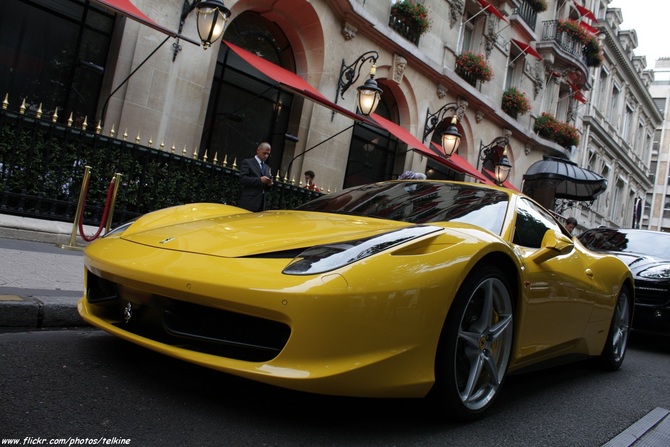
point(85, 383)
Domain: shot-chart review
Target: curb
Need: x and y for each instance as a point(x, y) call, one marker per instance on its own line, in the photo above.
point(39, 311)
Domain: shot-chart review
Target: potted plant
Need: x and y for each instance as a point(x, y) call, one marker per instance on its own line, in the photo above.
point(538, 5)
point(411, 14)
point(592, 53)
point(473, 67)
point(514, 102)
point(549, 127)
point(591, 49)
point(572, 28)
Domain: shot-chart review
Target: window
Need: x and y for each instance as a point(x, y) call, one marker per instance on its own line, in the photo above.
point(614, 105)
point(647, 205)
point(652, 171)
point(54, 54)
point(617, 209)
point(626, 133)
point(602, 89)
point(244, 102)
point(531, 224)
point(660, 104)
point(468, 33)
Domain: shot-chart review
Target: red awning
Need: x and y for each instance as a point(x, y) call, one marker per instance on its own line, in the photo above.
point(577, 93)
point(506, 183)
point(460, 164)
point(290, 81)
point(584, 12)
point(492, 9)
point(527, 49)
point(127, 9)
point(455, 162)
point(588, 27)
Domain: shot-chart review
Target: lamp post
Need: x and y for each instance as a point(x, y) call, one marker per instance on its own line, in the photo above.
point(212, 18)
point(502, 165)
point(369, 94)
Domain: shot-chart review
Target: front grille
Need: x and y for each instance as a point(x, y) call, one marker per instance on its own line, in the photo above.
point(186, 325)
point(651, 294)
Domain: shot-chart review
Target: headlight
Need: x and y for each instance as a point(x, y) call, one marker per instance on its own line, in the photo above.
point(120, 229)
point(324, 258)
point(661, 271)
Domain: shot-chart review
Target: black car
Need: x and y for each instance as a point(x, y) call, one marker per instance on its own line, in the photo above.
point(647, 254)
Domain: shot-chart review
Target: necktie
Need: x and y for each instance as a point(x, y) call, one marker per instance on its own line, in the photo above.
point(262, 168)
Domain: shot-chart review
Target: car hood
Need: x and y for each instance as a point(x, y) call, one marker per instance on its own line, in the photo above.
point(637, 262)
point(250, 234)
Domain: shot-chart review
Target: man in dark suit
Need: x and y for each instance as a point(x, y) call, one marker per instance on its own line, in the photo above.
point(255, 179)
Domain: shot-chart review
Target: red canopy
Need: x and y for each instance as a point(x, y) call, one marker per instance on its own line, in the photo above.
point(492, 9)
point(455, 162)
point(589, 28)
point(290, 80)
point(584, 12)
point(460, 164)
point(527, 49)
point(127, 9)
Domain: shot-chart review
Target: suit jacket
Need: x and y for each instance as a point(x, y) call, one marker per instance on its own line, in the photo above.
point(254, 191)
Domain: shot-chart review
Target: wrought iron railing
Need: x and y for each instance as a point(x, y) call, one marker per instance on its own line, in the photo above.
point(564, 40)
point(527, 14)
point(42, 165)
point(468, 77)
point(396, 23)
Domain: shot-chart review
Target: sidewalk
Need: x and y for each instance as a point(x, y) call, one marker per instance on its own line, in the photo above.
point(41, 275)
point(41, 280)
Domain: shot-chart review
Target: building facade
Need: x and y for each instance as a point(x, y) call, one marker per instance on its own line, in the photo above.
point(656, 214)
point(512, 72)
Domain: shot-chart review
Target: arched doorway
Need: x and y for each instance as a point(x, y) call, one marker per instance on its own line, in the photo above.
point(373, 152)
point(245, 106)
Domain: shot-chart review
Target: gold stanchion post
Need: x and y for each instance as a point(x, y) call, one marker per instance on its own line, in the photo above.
point(80, 206)
point(116, 179)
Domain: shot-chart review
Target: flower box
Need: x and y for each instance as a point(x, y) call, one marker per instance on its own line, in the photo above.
point(565, 135)
point(410, 19)
point(473, 67)
point(514, 102)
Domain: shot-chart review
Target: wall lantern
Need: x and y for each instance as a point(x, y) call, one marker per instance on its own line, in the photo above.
point(503, 168)
point(369, 94)
point(451, 139)
point(212, 18)
point(498, 161)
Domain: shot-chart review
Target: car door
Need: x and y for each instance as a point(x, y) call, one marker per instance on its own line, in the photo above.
point(557, 299)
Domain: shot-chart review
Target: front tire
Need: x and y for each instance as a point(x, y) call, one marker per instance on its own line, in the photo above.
point(617, 338)
point(475, 345)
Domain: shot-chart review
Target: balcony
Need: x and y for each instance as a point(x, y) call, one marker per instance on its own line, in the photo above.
point(398, 23)
point(527, 14)
point(568, 50)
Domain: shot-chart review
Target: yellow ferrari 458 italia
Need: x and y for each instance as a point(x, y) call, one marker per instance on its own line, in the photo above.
point(393, 289)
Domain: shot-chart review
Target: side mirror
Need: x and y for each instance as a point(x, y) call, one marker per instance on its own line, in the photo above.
point(554, 243)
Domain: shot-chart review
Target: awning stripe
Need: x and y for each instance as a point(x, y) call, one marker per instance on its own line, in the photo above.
point(127, 9)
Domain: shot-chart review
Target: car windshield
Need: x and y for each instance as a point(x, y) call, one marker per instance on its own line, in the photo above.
point(419, 202)
point(650, 243)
